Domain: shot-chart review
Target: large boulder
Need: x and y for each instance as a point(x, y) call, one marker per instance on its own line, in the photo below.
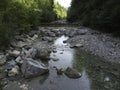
point(72, 73)
point(31, 68)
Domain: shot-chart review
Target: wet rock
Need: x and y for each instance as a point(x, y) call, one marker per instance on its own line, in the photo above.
point(14, 71)
point(2, 59)
point(31, 68)
point(76, 46)
point(55, 59)
point(72, 73)
point(61, 52)
point(54, 51)
point(60, 71)
point(43, 53)
point(65, 41)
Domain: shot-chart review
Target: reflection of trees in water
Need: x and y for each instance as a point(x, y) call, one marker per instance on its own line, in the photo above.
point(103, 75)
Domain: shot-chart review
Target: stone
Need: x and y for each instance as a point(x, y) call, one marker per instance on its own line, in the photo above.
point(19, 60)
point(18, 44)
point(10, 65)
point(43, 53)
point(14, 53)
point(81, 32)
point(55, 59)
point(14, 71)
point(72, 33)
point(2, 59)
point(34, 37)
point(49, 39)
point(54, 51)
point(65, 41)
point(30, 53)
point(72, 73)
point(31, 68)
point(32, 33)
point(76, 46)
point(24, 87)
point(60, 71)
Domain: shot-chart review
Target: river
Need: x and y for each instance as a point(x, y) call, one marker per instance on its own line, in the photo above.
point(97, 74)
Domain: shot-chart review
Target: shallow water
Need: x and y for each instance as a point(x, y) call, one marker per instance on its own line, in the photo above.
point(96, 73)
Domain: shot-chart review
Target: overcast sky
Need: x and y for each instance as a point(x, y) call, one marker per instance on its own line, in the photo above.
point(65, 3)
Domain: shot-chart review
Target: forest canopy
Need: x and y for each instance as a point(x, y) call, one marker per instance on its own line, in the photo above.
point(100, 14)
point(26, 14)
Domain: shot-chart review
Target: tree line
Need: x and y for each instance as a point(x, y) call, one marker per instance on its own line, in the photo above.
point(23, 15)
point(101, 14)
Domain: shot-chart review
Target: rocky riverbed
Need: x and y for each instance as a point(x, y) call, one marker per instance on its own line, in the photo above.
point(35, 55)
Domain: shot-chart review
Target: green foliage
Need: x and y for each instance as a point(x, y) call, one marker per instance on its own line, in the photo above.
point(60, 11)
point(23, 15)
point(101, 14)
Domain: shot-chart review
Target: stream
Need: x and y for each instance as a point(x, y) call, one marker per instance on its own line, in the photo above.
point(97, 74)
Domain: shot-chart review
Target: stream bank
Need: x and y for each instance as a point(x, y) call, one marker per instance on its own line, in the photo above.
point(48, 44)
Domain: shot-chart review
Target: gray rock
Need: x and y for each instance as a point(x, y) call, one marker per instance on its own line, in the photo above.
point(82, 32)
point(34, 37)
point(18, 44)
point(2, 59)
point(43, 53)
point(55, 59)
point(65, 41)
point(72, 33)
point(54, 51)
point(14, 71)
point(31, 53)
point(72, 73)
point(10, 65)
point(31, 68)
point(19, 60)
point(49, 39)
point(32, 33)
point(14, 53)
point(76, 45)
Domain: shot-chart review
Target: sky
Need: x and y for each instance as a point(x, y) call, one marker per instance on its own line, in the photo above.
point(64, 3)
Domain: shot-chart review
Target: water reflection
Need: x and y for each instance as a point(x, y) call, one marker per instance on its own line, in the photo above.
point(103, 75)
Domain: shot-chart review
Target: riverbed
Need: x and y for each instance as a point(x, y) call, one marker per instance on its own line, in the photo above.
point(97, 73)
